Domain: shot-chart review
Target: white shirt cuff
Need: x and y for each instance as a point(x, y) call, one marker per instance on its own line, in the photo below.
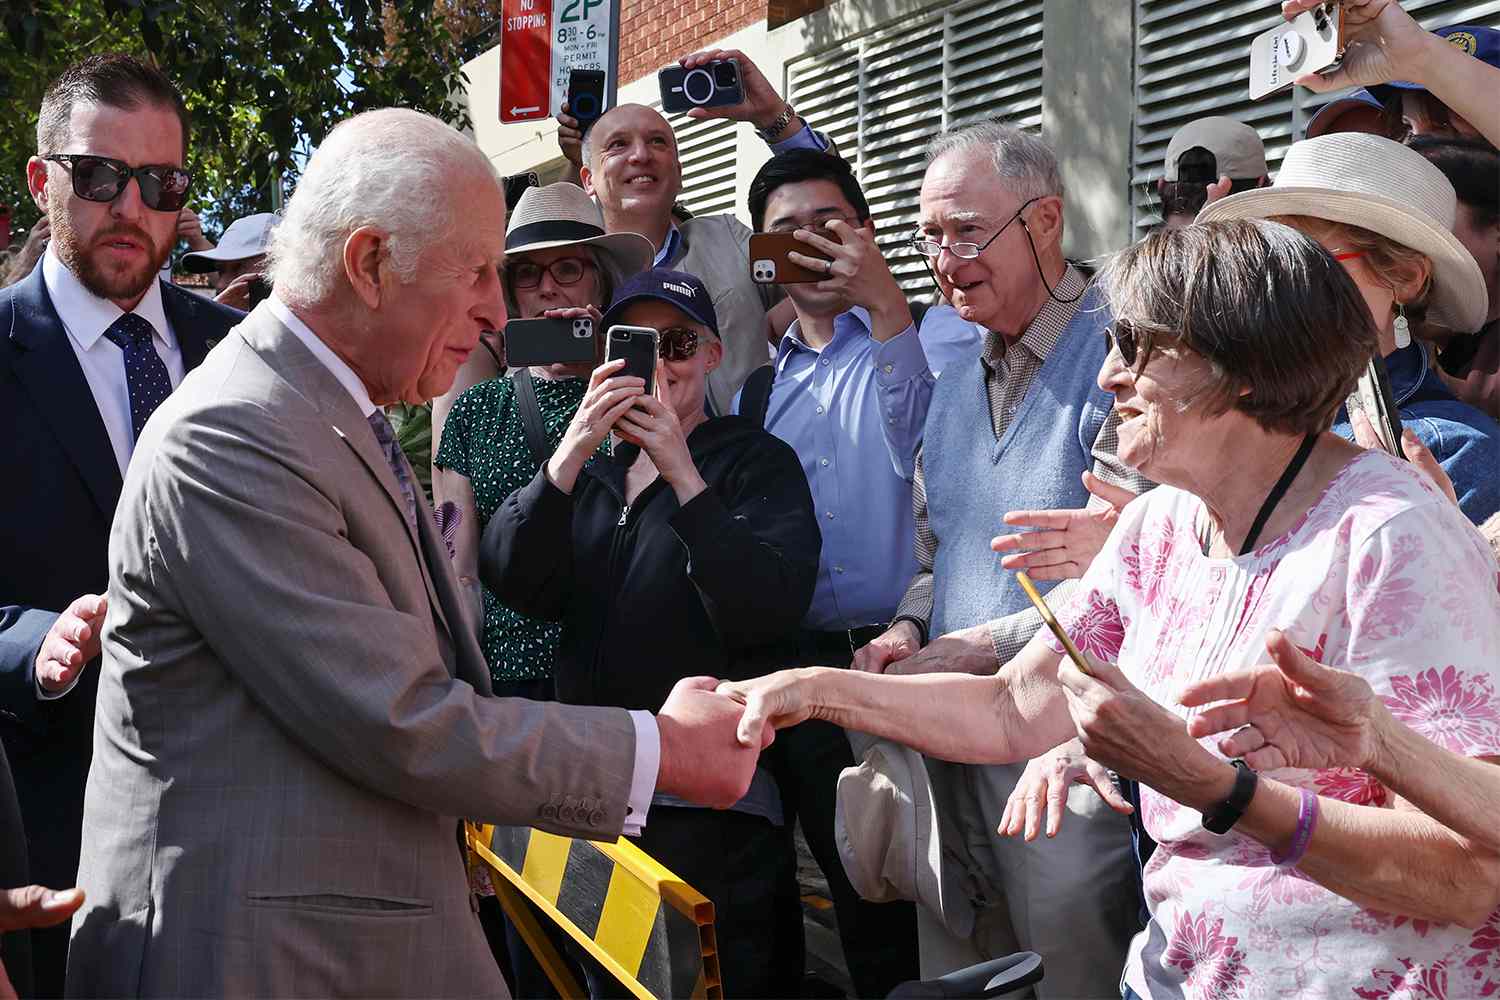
point(643, 777)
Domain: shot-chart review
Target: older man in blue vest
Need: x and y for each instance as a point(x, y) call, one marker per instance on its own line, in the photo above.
point(1015, 429)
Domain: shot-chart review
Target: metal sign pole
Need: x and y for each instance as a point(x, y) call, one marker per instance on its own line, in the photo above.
point(612, 78)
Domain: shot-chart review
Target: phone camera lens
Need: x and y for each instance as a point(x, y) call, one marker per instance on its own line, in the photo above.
point(585, 106)
point(698, 86)
point(725, 76)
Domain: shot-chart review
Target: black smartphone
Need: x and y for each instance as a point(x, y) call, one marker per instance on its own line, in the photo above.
point(637, 345)
point(260, 290)
point(516, 185)
point(549, 341)
point(586, 96)
point(715, 85)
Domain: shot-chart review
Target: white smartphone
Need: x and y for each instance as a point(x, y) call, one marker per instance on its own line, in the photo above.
point(1312, 42)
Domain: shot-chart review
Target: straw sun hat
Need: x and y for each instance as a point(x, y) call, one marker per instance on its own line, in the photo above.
point(561, 215)
point(1379, 185)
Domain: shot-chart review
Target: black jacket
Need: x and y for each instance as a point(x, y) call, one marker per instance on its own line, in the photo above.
point(656, 592)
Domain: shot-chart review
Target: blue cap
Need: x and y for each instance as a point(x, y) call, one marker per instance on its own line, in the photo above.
point(1472, 39)
point(1320, 122)
point(675, 287)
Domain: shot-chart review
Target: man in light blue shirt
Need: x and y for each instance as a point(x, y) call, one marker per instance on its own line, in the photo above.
point(848, 390)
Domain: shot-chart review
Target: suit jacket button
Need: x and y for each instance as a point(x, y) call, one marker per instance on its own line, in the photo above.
point(565, 814)
point(548, 811)
point(596, 817)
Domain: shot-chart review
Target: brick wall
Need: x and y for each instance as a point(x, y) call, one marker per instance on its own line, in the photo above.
point(656, 32)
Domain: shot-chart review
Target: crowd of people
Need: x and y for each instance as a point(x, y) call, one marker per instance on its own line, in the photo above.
point(264, 639)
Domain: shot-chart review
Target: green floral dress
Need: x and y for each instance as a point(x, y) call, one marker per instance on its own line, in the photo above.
point(485, 441)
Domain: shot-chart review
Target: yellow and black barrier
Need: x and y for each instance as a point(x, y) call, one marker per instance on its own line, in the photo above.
point(647, 927)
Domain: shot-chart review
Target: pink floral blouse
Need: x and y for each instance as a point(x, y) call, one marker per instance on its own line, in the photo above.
point(1383, 576)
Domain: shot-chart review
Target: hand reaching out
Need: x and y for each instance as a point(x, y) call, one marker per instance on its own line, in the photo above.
point(1043, 787)
point(1291, 712)
point(71, 643)
point(1063, 542)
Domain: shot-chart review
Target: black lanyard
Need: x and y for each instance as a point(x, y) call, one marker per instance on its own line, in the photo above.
point(1278, 491)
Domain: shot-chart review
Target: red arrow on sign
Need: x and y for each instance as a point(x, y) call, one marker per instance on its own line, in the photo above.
point(525, 60)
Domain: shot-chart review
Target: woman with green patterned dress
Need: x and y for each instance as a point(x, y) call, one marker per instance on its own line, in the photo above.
point(560, 264)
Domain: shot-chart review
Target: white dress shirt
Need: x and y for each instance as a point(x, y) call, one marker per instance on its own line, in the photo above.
point(647, 735)
point(85, 317)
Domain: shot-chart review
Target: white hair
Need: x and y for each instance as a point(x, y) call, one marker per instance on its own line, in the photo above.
point(1025, 162)
point(392, 170)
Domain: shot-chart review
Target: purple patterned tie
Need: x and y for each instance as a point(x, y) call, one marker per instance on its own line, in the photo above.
point(386, 435)
point(146, 377)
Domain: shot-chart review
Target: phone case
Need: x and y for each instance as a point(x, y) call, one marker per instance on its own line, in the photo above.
point(1311, 43)
point(679, 88)
point(1051, 621)
point(769, 264)
point(637, 345)
point(549, 342)
point(586, 94)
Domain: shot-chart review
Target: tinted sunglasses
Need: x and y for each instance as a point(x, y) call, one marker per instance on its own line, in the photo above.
point(102, 179)
point(677, 343)
point(564, 271)
point(1123, 337)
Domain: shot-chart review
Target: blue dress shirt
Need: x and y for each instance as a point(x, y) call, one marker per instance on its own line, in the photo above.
point(854, 413)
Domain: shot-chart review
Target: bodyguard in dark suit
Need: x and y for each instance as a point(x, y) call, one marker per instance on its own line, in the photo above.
point(90, 343)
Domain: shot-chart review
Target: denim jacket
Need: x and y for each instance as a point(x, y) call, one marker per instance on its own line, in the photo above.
point(1463, 439)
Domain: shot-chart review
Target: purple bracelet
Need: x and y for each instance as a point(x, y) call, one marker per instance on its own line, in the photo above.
point(1307, 822)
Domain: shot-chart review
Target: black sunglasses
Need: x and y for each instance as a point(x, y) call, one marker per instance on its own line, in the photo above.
point(100, 178)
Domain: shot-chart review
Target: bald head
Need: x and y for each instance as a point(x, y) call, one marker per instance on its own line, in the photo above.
point(637, 115)
point(630, 164)
point(364, 174)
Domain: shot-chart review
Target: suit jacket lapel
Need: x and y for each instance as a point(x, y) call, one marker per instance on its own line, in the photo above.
point(317, 384)
point(48, 370)
point(191, 324)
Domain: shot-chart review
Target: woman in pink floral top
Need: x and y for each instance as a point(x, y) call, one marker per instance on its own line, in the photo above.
point(1235, 343)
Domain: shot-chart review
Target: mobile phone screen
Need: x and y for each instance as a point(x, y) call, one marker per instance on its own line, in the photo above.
point(637, 345)
point(1062, 636)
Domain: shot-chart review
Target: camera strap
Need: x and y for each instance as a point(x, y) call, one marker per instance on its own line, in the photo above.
point(531, 415)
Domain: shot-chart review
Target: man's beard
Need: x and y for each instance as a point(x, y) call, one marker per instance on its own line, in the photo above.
point(111, 283)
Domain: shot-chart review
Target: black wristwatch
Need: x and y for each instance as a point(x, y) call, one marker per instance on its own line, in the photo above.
point(1223, 816)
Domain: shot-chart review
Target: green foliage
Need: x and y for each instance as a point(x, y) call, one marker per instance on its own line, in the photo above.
point(265, 80)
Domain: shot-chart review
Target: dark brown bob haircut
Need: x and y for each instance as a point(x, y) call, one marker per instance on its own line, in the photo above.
point(1282, 326)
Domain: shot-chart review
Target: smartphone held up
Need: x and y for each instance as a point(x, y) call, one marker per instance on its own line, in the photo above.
point(715, 85)
point(1312, 42)
point(637, 345)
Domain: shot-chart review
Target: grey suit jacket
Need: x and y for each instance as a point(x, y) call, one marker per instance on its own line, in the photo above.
point(292, 714)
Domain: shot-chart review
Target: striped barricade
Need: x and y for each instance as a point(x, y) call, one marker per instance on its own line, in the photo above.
point(651, 930)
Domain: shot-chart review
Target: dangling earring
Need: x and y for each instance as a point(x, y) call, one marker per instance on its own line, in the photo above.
point(1403, 328)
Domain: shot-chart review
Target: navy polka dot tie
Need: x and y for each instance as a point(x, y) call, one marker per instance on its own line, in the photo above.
point(146, 375)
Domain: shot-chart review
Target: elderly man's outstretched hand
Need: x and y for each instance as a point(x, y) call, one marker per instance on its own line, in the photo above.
point(705, 757)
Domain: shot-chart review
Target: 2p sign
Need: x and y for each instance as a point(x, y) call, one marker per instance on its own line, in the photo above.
point(541, 42)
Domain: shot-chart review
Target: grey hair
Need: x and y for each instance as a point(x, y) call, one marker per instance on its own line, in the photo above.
point(389, 169)
point(609, 277)
point(1024, 161)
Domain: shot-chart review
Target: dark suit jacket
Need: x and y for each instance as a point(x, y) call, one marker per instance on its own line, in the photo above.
point(62, 484)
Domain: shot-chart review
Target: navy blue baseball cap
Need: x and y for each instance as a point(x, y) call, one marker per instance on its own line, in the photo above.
point(1472, 39)
point(677, 288)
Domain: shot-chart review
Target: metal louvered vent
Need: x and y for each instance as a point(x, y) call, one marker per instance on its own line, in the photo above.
point(1192, 60)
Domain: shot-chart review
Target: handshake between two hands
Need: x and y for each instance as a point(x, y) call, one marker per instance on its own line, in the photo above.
point(712, 734)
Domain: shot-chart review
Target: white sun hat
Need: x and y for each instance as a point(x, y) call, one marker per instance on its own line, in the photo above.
point(1376, 184)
